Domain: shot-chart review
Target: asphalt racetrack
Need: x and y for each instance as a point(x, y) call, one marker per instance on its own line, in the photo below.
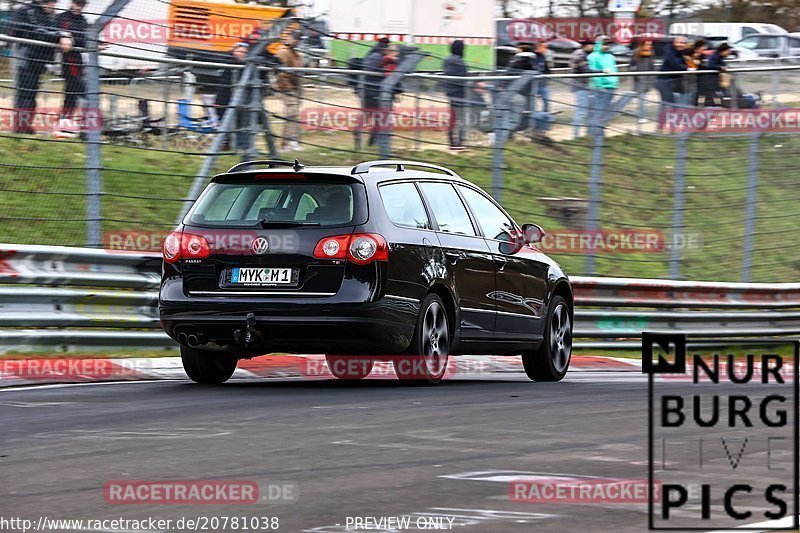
point(371, 449)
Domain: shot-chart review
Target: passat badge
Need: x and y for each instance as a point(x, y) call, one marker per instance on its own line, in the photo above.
point(260, 246)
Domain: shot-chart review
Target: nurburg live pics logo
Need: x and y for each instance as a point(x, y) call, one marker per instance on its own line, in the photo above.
point(722, 434)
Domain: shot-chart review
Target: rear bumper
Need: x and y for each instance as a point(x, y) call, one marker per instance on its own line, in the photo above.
point(293, 324)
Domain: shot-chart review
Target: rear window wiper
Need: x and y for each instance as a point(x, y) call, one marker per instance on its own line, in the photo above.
point(285, 223)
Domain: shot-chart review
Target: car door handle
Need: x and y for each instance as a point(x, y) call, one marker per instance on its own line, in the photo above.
point(500, 262)
point(454, 256)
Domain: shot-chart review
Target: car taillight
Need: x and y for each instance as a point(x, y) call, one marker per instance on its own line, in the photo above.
point(367, 247)
point(332, 247)
point(360, 248)
point(180, 245)
point(194, 246)
point(171, 250)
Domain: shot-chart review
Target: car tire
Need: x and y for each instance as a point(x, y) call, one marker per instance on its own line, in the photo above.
point(207, 367)
point(550, 361)
point(425, 360)
point(348, 368)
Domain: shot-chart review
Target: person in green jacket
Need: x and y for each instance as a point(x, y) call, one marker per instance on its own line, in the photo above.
point(601, 60)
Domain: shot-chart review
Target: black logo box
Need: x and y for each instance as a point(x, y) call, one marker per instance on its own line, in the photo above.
point(678, 366)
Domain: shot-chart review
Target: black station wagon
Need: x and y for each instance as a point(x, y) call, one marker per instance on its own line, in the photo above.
point(387, 260)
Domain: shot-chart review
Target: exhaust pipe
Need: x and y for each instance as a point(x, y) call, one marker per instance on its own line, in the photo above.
point(195, 339)
point(181, 337)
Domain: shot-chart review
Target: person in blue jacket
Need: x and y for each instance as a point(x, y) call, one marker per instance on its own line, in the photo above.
point(670, 86)
point(603, 87)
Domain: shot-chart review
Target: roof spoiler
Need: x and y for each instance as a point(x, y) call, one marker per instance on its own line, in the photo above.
point(269, 163)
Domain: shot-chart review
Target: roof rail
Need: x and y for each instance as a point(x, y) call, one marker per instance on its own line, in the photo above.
point(363, 168)
point(270, 163)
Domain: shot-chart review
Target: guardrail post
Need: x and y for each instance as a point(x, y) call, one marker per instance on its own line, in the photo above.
point(678, 206)
point(750, 206)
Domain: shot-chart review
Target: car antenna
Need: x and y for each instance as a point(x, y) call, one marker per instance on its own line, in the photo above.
point(298, 166)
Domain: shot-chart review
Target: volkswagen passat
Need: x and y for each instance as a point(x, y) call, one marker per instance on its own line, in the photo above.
point(392, 260)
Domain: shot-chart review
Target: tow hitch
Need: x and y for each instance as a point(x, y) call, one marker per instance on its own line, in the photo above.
point(250, 335)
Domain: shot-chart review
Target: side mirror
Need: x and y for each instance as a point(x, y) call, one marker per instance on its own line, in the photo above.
point(532, 233)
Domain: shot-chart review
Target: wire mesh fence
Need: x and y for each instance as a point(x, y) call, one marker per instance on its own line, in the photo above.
point(620, 189)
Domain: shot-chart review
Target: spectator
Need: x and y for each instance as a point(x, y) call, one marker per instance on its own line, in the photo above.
point(696, 57)
point(457, 95)
point(601, 60)
point(579, 64)
point(230, 75)
point(34, 21)
point(73, 22)
point(543, 67)
point(371, 99)
point(390, 59)
point(670, 86)
point(708, 85)
point(229, 78)
point(642, 61)
point(72, 70)
point(288, 85)
point(524, 59)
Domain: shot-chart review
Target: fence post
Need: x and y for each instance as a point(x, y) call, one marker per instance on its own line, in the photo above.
point(595, 182)
point(678, 206)
point(94, 156)
point(417, 131)
point(502, 130)
point(361, 93)
point(750, 207)
point(254, 114)
point(228, 119)
point(500, 126)
point(408, 65)
point(532, 105)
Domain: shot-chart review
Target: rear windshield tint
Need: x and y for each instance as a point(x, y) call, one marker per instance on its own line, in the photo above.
point(247, 204)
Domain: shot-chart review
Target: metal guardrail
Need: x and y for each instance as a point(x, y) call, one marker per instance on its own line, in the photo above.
point(53, 296)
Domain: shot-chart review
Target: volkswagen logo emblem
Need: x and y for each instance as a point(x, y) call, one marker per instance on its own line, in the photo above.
point(260, 246)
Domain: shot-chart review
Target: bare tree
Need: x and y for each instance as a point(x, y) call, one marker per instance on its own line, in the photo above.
point(508, 8)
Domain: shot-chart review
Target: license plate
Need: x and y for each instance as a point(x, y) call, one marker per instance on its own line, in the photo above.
point(262, 277)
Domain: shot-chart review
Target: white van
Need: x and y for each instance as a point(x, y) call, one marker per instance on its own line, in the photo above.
point(731, 31)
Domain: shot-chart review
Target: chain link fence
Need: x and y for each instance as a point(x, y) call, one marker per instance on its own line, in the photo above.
point(620, 189)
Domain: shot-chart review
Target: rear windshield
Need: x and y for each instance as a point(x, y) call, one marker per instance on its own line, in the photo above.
point(248, 204)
